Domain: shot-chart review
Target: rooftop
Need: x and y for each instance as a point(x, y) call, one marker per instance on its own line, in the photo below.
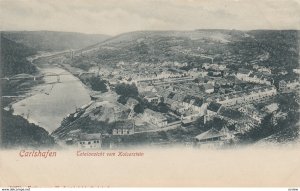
point(243, 71)
point(213, 106)
point(212, 133)
point(90, 137)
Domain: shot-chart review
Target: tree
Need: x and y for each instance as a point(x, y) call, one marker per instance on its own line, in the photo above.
point(122, 99)
point(139, 108)
point(97, 84)
point(127, 90)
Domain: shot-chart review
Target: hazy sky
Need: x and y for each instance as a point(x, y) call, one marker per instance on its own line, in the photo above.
point(118, 16)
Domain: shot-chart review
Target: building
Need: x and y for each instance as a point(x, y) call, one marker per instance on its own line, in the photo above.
point(214, 138)
point(188, 101)
point(243, 73)
point(155, 118)
point(252, 112)
point(199, 106)
point(296, 70)
point(253, 95)
point(123, 128)
point(208, 88)
point(152, 98)
point(189, 116)
point(262, 69)
point(288, 86)
point(131, 103)
point(249, 76)
point(90, 141)
point(259, 79)
point(271, 108)
point(212, 109)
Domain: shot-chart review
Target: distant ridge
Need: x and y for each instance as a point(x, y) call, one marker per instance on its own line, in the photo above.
point(53, 40)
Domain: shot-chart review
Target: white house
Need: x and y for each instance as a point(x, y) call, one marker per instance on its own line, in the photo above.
point(243, 73)
point(123, 128)
point(90, 141)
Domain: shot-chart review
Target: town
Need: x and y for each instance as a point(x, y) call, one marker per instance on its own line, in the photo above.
point(150, 99)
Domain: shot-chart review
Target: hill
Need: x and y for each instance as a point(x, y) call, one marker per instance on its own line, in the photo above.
point(13, 58)
point(53, 41)
point(160, 46)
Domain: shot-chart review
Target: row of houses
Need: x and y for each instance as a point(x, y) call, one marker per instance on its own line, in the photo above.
point(249, 76)
point(246, 97)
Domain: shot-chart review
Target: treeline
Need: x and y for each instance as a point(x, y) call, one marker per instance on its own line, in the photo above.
point(13, 58)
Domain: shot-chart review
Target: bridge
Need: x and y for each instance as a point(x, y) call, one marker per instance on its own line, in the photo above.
point(35, 77)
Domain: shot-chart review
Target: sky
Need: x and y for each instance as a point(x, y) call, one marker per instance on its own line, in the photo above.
point(114, 17)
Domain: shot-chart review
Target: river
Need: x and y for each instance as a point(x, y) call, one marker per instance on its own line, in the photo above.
point(52, 100)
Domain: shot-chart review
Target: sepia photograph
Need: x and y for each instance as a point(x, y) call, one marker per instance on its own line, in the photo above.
point(193, 93)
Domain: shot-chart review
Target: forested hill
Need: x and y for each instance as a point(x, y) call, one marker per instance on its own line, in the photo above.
point(13, 58)
point(54, 41)
point(18, 132)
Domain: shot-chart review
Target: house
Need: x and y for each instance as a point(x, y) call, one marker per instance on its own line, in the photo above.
point(152, 98)
point(243, 73)
point(206, 66)
point(189, 116)
point(296, 70)
point(287, 86)
point(131, 103)
point(90, 141)
point(199, 105)
point(265, 69)
point(155, 118)
point(212, 110)
point(188, 100)
point(208, 88)
point(271, 107)
point(123, 128)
